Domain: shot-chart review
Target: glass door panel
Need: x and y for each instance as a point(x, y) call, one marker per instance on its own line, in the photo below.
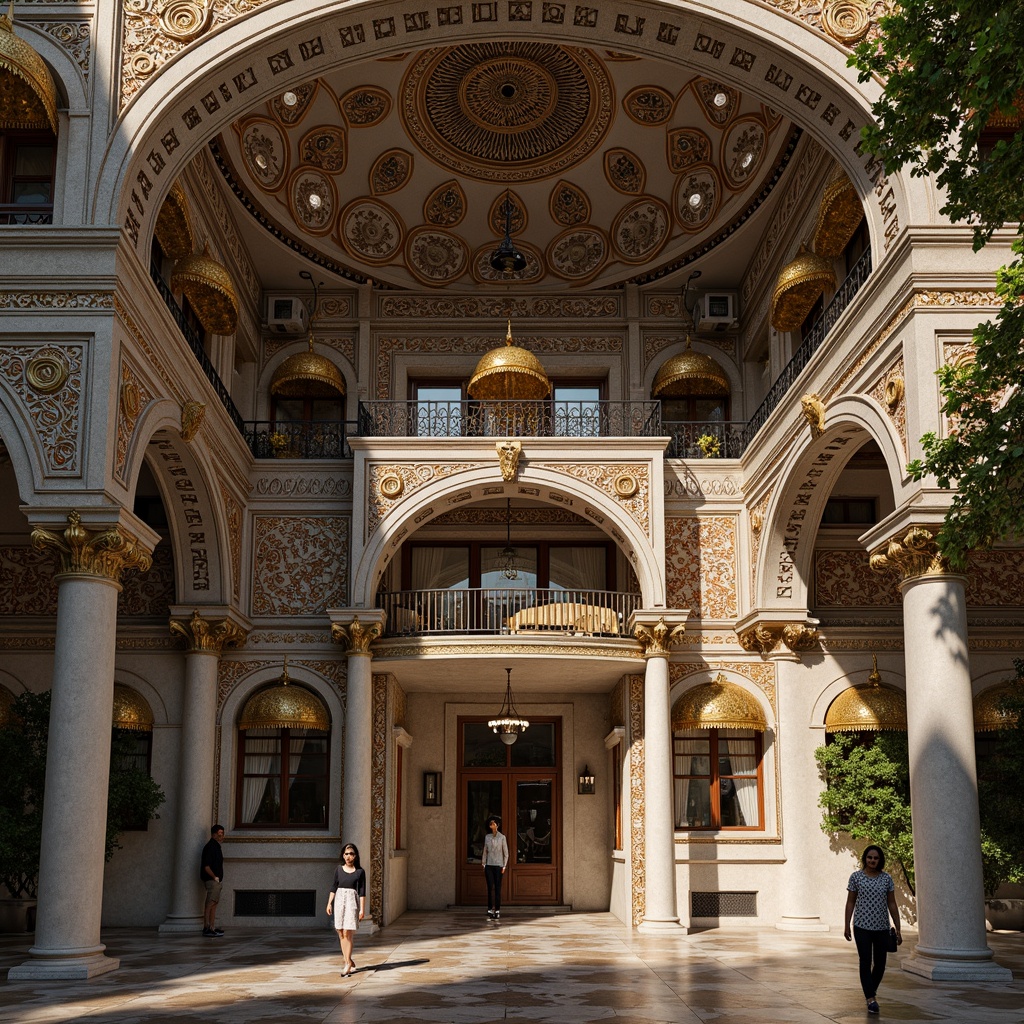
point(533, 822)
point(483, 798)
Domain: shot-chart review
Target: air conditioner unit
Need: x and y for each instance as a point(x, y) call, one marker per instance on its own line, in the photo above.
point(287, 314)
point(715, 311)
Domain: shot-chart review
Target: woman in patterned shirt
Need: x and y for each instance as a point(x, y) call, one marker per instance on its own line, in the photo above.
point(871, 901)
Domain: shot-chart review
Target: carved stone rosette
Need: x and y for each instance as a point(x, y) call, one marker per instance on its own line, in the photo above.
point(357, 636)
point(84, 552)
point(211, 635)
point(917, 554)
point(763, 638)
point(657, 639)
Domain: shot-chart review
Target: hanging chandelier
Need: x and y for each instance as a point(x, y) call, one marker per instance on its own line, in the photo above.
point(508, 558)
point(507, 259)
point(508, 725)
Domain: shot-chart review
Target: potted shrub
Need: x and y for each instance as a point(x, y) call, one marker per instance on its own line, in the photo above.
point(133, 797)
point(709, 445)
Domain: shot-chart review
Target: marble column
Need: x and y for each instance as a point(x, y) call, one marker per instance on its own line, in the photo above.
point(660, 912)
point(67, 939)
point(205, 639)
point(357, 633)
point(951, 942)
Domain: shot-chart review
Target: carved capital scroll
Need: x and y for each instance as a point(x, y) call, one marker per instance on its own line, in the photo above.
point(211, 635)
point(917, 554)
point(764, 638)
point(657, 639)
point(84, 552)
point(356, 636)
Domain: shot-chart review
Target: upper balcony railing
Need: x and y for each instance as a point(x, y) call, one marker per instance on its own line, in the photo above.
point(191, 336)
point(713, 439)
point(26, 213)
point(500, 611)
point(509, 419)
point(300, 439)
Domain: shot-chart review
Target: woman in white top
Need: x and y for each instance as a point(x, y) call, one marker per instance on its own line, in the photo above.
point(871, 901)
point(495, 860)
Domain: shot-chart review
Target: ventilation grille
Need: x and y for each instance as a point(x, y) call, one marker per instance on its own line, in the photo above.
point(723, 904)
point(275, 903)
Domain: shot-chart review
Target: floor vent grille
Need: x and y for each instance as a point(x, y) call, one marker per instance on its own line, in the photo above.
point(723, 904)
point(275, 903)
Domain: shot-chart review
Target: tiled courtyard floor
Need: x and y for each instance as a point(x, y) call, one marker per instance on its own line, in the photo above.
point(459, 967)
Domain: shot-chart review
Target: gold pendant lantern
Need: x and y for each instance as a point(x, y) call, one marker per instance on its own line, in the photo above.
point(28, 97)
point(509, 373)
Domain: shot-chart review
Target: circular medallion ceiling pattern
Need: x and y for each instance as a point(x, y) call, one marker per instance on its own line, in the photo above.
point(399, 169)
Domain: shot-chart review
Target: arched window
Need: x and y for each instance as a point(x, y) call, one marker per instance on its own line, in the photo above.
point(283, 759)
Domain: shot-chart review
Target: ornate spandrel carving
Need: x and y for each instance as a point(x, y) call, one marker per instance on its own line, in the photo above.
point(509, 452)
point(84, 552)
point(657, 639)
point(211, 635)
point(356, 636)
point(917, 554)
point(764, 638)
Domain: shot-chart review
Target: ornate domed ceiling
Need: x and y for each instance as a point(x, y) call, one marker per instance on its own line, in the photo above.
point(614, 168)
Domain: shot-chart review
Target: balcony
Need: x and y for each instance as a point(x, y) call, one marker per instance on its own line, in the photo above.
point(716, 439)
point(300, 439)
point(497, 611)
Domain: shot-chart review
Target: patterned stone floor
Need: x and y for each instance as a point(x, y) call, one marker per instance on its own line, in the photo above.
point(460, 968)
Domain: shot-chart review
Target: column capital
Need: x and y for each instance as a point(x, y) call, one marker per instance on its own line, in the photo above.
point(765, 636)
point(356, 629)
point(655, 632)
point(210, 635)
point(915, 553)
point(103, 553)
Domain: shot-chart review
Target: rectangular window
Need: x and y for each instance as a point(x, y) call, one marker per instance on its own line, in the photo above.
point(717, 779)
point(284, 776)
point(577, 410)
point(437, 410)
point(26, 177)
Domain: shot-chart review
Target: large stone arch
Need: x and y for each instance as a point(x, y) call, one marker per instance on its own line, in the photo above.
point(806, 478)
point(23, 446)
point(542, 484)
point(793, 66)
point(184, 473)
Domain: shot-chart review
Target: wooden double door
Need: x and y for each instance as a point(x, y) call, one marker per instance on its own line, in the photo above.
point(500, 780)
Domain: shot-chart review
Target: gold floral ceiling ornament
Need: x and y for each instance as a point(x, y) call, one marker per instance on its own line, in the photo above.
point(988, 714)
point(718, 705)
point(174, 225)
point(871, 708)
point(284, 706)
point(839, 214)
point(131, 710)
point(799, 286)
point(308, 374)
point(690, 373)
point(207, 286)
point(509, 373)
point(28, 97)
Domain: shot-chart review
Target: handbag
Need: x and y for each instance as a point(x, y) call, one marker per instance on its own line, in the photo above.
point(893, 944)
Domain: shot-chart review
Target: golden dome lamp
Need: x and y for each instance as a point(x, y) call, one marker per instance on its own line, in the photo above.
point(284, 706)
point(801, 282)
point(131, 710)
point(690, 373)
point(871, 708)
point(989, 715)
point(308, 374)
point(717, 705)
point(174, 226)
point(208, 287)
point(28, 96)
point(839, 215)
point(509, 373)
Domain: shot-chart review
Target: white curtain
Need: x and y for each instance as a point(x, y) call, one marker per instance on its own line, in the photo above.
point(577, 568)
point(746, 789)
point(260, 747)
point(440, 568)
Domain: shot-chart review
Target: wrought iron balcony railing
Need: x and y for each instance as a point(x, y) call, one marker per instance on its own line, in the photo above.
point(303, 439)
point(25, 213)
point(716, 439)
point(505, 610)
point(191, 336)
point(510, 419)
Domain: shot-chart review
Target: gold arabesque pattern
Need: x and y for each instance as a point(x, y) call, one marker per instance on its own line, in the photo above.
point(718, 705)
point(28, 97)
point(131, 710)
point(690, 373)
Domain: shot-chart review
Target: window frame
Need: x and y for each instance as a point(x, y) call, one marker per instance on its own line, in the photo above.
point(714, 778)
point(10, 142)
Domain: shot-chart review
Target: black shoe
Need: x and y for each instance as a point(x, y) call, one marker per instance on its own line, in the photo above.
point(218, 931)
point(208, 933)
point(872, 1006)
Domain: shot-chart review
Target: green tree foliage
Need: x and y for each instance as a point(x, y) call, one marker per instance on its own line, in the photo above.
point(950, 70)
point(1000, 796)
point(133, 797)
point(867, 795)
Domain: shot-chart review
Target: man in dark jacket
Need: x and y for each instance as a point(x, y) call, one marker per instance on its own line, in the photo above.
point(211, 871)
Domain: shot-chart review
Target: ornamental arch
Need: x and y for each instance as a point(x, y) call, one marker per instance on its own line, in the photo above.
point(807, 478)
point(215, 78)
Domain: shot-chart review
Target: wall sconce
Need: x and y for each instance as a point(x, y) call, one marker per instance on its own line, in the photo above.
point(431, 789)
point(586, 782)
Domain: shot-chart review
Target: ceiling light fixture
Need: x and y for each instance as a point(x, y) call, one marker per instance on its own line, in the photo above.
point(507, 259)
point(695, 199)
point(315, 201)
point(720, 99)
point(509, 723)
point(290, 99)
